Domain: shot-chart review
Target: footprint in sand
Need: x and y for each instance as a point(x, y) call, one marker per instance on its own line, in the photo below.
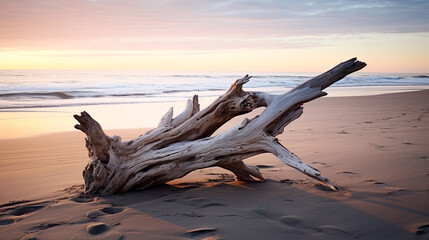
point(22, 210)
point(112, 210)
point(200, 231)
point(82, 199)
point(6, 222)
point(93, 214)
point(423, 230)
point(96, 228)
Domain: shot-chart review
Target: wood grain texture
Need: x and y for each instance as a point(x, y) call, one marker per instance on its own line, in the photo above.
point(185, 143)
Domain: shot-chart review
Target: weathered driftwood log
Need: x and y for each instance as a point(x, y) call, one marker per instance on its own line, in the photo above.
point(183, 144)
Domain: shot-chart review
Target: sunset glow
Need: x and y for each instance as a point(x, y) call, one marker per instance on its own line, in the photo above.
point(195, 35)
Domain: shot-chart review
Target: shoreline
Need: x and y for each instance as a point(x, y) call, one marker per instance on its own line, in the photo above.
point(31, 122)
point(373, 147)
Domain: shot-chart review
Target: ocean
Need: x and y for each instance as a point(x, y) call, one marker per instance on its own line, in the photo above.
point(49, 98)
point(26, 89)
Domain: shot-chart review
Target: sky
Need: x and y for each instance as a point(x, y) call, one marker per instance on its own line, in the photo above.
point(207, 35)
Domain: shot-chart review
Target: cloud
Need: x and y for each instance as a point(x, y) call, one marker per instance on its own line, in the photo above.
point(199, 24)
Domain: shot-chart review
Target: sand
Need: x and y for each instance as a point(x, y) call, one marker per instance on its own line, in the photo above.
point(376, 148)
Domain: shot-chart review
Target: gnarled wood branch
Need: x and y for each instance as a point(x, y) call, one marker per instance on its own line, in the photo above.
point(185, 143)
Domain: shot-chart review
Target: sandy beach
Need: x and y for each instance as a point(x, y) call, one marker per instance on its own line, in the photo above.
point(375, 148)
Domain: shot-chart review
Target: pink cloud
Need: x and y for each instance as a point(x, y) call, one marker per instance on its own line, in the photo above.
point(200, 24)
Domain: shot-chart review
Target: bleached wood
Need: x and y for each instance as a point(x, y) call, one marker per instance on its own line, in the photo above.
point(183, 144)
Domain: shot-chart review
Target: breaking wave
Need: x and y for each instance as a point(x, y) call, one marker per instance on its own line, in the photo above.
point(31, 89)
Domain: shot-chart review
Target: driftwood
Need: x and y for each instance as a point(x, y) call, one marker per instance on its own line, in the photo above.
point(183, 144)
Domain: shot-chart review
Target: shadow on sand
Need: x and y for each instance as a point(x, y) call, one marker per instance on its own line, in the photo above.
point(201, 210)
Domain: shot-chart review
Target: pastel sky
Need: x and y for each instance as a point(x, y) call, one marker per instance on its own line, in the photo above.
point(209, 35)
